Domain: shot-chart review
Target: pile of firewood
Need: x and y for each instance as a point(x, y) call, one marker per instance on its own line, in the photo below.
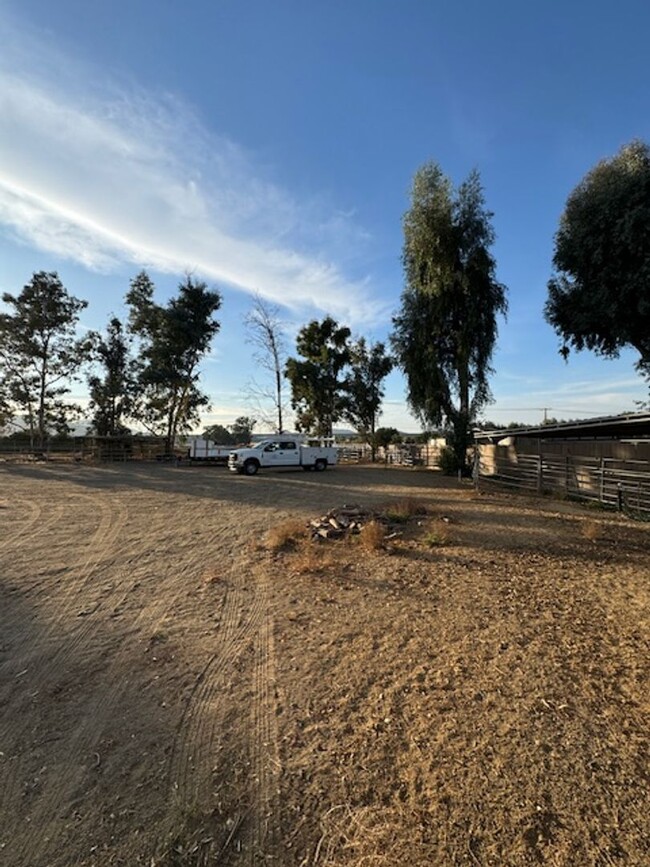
point(344, 521)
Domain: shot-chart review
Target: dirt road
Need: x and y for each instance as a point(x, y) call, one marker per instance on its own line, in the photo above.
point(173, 693)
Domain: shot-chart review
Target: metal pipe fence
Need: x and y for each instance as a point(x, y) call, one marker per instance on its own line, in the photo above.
point(617, 483)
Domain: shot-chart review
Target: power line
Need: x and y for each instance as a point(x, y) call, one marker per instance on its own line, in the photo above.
point(542, 409)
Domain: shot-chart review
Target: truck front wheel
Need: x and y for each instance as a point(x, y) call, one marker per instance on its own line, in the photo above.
point(251, 467)
point(320, 465)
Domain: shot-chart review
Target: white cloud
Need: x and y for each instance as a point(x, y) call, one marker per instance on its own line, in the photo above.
point(575, 398)
point(118, 176)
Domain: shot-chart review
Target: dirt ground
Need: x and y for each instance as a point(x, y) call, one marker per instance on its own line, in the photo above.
point(174, 693)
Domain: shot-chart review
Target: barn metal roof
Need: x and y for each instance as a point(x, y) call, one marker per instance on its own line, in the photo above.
point(628, 426)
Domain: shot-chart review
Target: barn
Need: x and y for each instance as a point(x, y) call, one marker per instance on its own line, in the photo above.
point(604, 459)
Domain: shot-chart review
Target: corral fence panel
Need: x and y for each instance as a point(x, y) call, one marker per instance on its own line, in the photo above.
point(397, 454)
point(84, 449)
point(619, 483)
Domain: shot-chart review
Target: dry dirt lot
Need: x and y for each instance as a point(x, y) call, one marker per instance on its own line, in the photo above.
point(174, 693)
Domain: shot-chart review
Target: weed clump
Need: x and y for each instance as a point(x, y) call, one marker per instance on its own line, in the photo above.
point(286, 536)
point(590, 530)
point(372, 536)
point(399, 511)
point(438, 536)
point(310, 559)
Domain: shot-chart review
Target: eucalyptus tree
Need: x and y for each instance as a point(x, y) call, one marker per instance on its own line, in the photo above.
point(174, 338)
point(318, 388)
point(445, 332)
point(364, 386)
point(41, 354)
point(113, 390)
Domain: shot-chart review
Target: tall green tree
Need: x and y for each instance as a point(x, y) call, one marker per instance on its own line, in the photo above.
point(316, 379)
point(41, 355)
point(112, 392)
point(364, 386)
point(174, 338)
point(599, 297)
point(445, 332)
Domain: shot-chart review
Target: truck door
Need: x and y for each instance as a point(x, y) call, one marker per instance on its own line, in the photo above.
point(290, 453)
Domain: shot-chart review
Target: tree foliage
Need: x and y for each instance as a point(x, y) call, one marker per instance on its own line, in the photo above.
point(174, 338)
point(369, 367)
point(599, 298)
point(40, 355)
point(219, 435)
point(445, 332)
point(265, 334)
point(242, 429)
point(384, 436)
point(112, 393)
point(317, 383)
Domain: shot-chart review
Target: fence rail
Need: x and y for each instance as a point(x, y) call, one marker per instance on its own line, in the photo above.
point(622, 484)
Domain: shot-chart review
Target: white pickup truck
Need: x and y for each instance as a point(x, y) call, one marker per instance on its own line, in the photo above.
point(275, 453)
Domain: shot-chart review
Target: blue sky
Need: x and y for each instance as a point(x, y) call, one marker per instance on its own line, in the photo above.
point(269, 146)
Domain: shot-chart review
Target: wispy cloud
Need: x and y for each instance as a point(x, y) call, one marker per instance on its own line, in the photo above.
point(579, 398)
point(111, 175)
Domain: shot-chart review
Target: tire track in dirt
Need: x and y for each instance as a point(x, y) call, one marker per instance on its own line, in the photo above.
point(194, 746)
point(13, 543)
point(64, 782)
point(35, 524)
point(265, 754)
point(49, 650)
point(112, 520)
point(68, 592)
point(15, 538)
point(58, 795)
point(244, 623)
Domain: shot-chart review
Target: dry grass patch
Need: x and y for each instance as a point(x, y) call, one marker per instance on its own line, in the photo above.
point(591, 530)
point(365, 836)
point(399, 511)
point(372, 536)
point(312, 559)
point(286, 535)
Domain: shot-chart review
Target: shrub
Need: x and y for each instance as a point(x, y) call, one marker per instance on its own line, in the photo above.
point(447, 461)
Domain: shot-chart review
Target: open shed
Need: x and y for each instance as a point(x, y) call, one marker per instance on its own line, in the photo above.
point(605, 458)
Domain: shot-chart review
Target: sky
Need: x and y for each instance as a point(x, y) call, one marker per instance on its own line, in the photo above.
point(269, 147)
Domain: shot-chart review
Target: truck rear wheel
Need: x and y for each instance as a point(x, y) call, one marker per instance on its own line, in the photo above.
point(251, 467)
point(320, 465)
